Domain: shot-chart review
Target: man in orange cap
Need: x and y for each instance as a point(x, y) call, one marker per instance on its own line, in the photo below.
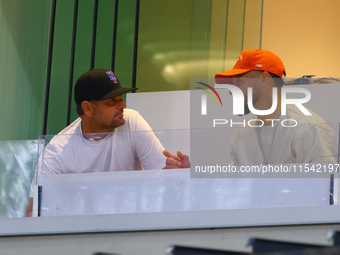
point(311, 140)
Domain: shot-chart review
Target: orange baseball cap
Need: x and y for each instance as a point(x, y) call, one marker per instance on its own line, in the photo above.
point(255, 59)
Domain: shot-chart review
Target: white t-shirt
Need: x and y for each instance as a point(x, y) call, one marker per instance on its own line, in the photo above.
point(132, 146)
point(312, 140)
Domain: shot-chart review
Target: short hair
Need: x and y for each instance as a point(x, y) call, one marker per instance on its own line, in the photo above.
point(80, 110)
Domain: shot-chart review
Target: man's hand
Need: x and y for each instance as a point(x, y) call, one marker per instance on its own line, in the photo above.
point(29, 207)
point(173, 161)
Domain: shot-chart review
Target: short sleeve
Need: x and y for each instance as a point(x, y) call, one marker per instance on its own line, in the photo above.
point(148, 148)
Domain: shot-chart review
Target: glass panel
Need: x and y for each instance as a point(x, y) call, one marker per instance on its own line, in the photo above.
point(105, 192)
point(298, 159)
point(18, 161)
point(65, 170)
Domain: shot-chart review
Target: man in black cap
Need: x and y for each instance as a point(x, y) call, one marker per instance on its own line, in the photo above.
point(106, 136)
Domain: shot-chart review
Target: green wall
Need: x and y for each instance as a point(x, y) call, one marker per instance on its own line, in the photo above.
point(23, 50)
point(174, 42)
point(57, 110)
point(178, 40)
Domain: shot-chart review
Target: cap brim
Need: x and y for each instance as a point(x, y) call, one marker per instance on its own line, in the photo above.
point(227, 76)
point(117, 92)
point(231, 73)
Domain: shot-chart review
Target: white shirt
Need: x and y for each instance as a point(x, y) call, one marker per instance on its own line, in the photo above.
point(312, 140)
point(132, 146)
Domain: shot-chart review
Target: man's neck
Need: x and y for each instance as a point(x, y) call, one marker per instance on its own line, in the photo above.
point(269, 119)
point(92, 134)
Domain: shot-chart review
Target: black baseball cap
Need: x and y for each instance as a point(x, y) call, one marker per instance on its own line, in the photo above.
point(98, 84)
